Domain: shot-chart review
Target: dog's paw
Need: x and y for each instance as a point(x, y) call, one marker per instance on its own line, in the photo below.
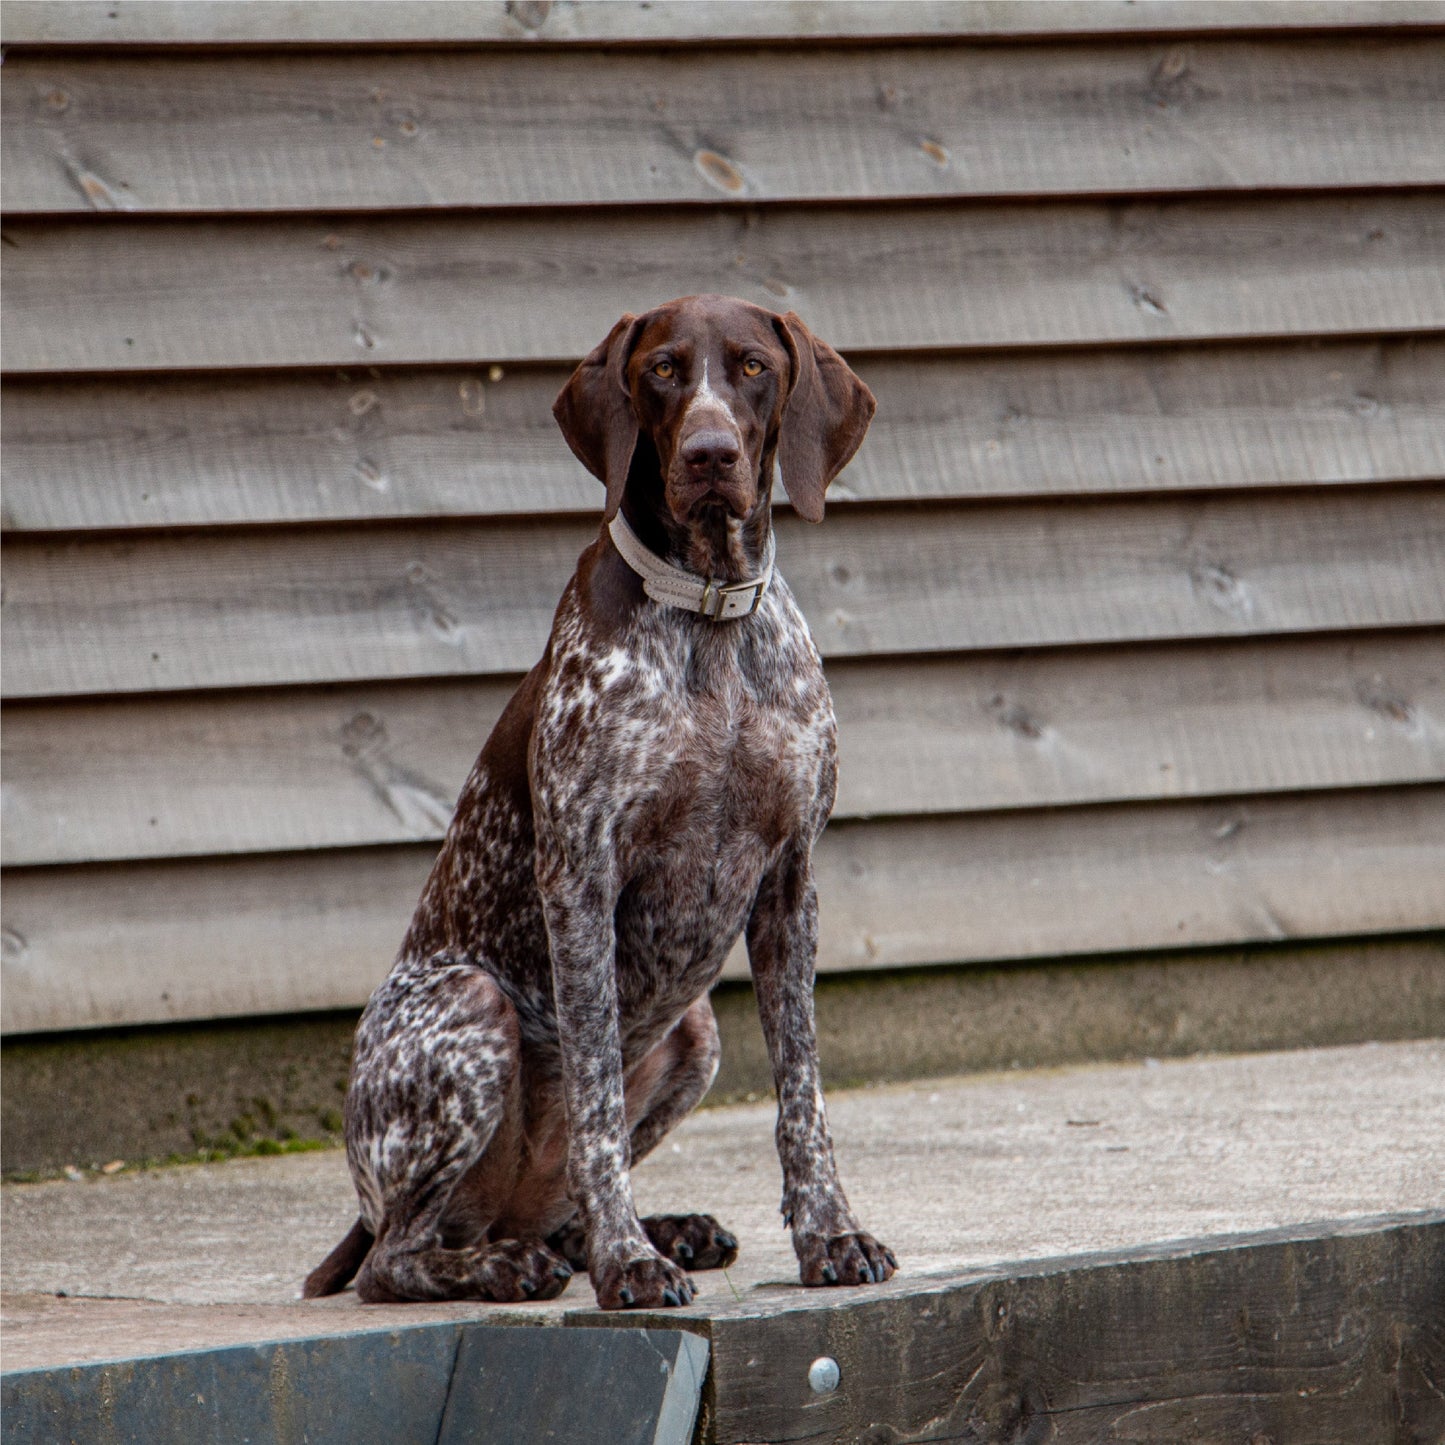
point(695, 1241)
point(571, 1243)
point(855, 1258)
point(513, 1271)
point(641, 1282)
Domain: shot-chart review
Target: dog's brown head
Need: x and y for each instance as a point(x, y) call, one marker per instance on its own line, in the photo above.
point(719, 387)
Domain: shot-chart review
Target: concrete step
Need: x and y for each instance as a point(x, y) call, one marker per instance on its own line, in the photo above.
point(1201, 1245)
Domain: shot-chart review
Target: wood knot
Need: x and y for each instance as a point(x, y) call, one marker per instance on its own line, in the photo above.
point(1014, 716)
point(717, 170)
point(472, 392)
point(531, 15)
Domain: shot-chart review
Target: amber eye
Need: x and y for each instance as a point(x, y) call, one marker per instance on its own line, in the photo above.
point(753, 367)
point(664, 369)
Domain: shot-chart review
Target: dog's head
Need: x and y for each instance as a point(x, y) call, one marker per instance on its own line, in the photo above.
point(719, 387)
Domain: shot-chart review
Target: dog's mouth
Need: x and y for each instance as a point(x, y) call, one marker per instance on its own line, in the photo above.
point(692, 500)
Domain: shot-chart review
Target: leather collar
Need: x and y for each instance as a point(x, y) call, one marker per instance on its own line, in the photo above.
point(674, 587)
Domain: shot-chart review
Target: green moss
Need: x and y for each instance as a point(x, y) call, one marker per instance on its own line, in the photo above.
point(217, 1153)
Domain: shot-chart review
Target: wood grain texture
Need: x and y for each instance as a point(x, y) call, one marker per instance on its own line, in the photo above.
point(188, 450)
point(401, 22)
point(335, 604)
point(356, 131)
point(343, 766)
point(1321, 1333)
point(456, 287)
point(90, 947)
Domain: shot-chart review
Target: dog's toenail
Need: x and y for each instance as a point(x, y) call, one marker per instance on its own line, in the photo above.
point(683, 1250)
point(625, 1295)
point(830, 1275)
point(669, 1297)
point(562, 1271)
point(527, 1288)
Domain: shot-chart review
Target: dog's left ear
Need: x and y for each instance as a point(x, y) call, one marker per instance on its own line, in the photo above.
point(595, 413)
point(824, 418)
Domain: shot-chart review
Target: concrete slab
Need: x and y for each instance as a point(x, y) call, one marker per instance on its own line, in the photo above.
point(958, 1175)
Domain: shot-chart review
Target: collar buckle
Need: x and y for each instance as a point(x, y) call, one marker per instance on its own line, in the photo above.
point(715, 597)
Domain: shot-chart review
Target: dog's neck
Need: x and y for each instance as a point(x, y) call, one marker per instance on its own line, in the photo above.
point(712, 544)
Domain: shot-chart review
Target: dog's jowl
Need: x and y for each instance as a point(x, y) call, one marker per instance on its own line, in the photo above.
point(653, 790)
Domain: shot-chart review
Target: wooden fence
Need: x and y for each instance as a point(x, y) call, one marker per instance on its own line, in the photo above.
point(1132, 602)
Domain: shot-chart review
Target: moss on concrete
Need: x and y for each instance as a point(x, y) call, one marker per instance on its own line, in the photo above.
point(218, 1090)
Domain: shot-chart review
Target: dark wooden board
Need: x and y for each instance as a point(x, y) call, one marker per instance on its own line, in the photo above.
point(442, 1384)
point(148, 613)
point(461, 287)
point(341, 766)
point(292, 933)
point(357, 131)
point(1330, 1335)
point(128, 451)
point(402, 22)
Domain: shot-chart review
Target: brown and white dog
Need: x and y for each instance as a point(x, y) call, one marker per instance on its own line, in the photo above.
point(654, 789)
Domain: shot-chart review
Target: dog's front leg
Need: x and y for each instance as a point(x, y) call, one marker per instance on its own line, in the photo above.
point(782, 948)
point(626, 1271)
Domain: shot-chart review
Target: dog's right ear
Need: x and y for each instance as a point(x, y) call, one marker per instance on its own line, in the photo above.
point(595, 412)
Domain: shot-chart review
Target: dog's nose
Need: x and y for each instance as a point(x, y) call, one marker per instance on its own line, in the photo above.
point(707, 453)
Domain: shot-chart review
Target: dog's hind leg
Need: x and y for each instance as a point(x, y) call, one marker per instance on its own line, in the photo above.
point(433, 1091)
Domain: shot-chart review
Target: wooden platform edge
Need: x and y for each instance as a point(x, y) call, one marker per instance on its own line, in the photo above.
point(1312, 1331)
point(421, 1382)
point(1319, 1325)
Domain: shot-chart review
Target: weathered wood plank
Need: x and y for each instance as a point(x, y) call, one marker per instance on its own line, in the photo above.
point(381, 131)
point(1300, 1334)
point(338, 767)
point(334, 446)
point(87, 947)
point(335, 604)
point(401, 22)
point(455, 287)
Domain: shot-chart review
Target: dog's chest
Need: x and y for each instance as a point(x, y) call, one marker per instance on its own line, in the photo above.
point(691, 756)
point(737, 774)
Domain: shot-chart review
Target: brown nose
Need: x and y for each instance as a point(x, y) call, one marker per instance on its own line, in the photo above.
point(710, 453)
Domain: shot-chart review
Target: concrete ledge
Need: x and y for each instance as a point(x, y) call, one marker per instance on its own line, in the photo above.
point(1321, 1333)
point(86, 1099)
point(1044, 1293)
point(432, 1384)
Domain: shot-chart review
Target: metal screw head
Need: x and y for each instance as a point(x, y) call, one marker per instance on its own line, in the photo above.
point(823, 1375)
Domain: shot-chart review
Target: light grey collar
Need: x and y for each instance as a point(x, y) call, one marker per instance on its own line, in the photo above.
point(673, 587)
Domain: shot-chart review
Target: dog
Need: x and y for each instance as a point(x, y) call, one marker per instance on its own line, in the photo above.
point(653, 790)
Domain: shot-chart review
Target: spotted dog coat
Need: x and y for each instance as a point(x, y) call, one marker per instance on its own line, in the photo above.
point(653, 789)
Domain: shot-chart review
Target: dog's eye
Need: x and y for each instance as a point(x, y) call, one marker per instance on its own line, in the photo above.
point(753, 367)
point(664, 369)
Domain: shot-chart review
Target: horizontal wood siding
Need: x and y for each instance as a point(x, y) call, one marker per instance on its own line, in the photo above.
point(192, 450)
point(360, 131)
point(341, 766)
point(1133, 603)
point(94, 946)
point(348, 291)
point(332, 604)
